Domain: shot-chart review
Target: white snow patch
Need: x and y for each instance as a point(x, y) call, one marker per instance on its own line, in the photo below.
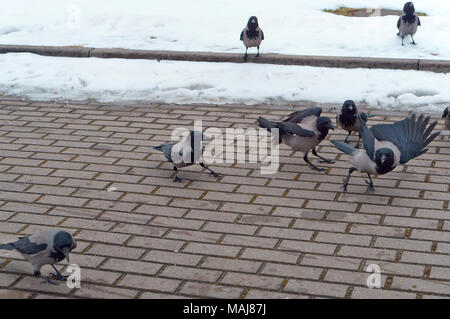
point(290, 26)
point(120, 80)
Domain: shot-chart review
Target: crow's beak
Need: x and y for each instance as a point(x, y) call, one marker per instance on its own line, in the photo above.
point(332, 127)
point(66, 252)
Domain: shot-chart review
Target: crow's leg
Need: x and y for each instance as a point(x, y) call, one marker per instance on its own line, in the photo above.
point(403, 39)
point(257, 54)
point(176, 179)
point(413, 42)
point(245, 54)
point(359, 140)
point(46, 280)
point(349, 133)
point(369, 182)
point(210, 170)
point(324, 160)
point(305, 158)
point(347, 179)
point(58, 275)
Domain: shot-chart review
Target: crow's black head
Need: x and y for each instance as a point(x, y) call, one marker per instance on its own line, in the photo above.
point(252, 23)
point(445, 114)
point(63, 243)
point(323, 125)
point(384, 159)
point(409, 8)
point(349, 107)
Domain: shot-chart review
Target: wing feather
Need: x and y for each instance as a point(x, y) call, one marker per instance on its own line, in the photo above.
point(367, 137)
point(29, 248)
point(298, 116)
point(411, 135)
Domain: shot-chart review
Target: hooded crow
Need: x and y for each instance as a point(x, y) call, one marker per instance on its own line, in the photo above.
point(408, 22)
point(252, 35)
point(44, 248)
point(302, 131)
point(446, 116)
point(347, 119)
point(185, 153)
point(387, 145)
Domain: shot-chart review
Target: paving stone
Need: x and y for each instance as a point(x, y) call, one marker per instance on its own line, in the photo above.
point(91, 169)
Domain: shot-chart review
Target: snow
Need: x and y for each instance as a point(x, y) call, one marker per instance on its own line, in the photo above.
point(120, 80)
point(290, 26)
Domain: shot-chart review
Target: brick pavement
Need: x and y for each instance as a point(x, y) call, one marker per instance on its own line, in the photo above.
point(90, 169)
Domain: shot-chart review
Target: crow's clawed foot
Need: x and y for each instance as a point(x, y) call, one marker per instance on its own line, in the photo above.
point(370, 188)
point(319, 169)
point(177, 179)
point(257, 55)
point(46, 280)
point(413, 43)
point(215, 174)
point(59, 277)
point(245, 57)
point(344, 186)
point(358, 145)
point(328, 161)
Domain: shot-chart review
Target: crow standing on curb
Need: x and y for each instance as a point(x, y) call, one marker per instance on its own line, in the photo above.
point(189, 152)
point(44, 248)
point(347, 119)
point(302, 131)
point(387, 145)
point(408, 22)
point(252, 35)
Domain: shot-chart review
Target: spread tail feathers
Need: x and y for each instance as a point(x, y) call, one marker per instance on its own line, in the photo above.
point(344, 147)
point(7, 247)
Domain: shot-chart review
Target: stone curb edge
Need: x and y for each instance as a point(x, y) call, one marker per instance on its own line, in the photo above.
point(439, 66)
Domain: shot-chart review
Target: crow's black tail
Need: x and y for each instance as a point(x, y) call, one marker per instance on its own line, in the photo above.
point(7, 247)
point(265, 123)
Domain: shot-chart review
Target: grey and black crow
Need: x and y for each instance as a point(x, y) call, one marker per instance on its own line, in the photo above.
point(44, 248)
point(185, 153)
point(252, 35)
point(347, 119)
point(408, 22)
point(302, 131)
point(387, 145)
point(446, 117)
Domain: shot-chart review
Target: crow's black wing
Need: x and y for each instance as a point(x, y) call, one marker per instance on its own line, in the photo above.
point(398, 22)
point(367, 137)
point(298, 116)
point(293, 128)
point(26, 247)
point(242, 35)
point(262, 35)
point(411, 135)
point(418, 21)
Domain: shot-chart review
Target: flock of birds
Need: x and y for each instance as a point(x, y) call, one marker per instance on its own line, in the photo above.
point(384, 147)
point(407, 24)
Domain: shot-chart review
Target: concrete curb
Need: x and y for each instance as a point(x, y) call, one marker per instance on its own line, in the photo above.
point(439, 66)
